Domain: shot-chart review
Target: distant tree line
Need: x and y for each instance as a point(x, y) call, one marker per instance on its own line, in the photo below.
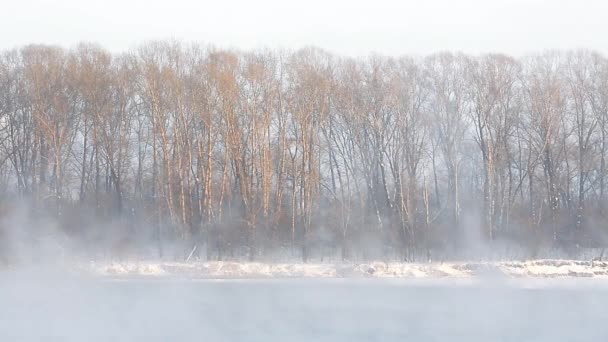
point(266, 153)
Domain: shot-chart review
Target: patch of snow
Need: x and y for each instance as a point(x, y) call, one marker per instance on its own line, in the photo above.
point(229, 269)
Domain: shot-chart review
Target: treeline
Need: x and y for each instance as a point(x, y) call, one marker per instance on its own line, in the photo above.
point(265, 153)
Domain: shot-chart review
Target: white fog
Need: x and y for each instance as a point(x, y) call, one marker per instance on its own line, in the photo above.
point(271, 170)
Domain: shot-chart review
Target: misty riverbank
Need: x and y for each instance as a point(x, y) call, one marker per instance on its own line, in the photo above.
point(246, 270)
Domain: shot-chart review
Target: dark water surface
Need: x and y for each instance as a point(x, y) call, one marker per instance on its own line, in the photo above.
point(34, 308)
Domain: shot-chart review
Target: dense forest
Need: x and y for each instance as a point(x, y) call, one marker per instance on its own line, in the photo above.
point(259, 155)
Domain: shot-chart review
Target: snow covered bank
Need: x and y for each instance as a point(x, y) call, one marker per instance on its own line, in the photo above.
point(220, 270)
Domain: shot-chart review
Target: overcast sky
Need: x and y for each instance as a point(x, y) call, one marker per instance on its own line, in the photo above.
point(348, 27)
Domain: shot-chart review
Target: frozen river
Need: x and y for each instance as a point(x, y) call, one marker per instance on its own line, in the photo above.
point(302, 310)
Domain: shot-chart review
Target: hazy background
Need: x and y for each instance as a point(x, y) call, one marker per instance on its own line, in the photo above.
point(346, 27)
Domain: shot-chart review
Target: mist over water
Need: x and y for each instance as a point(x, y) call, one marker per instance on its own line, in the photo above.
point(362, 198)
point(44, 298)
point(317, 170)
point(62, 308)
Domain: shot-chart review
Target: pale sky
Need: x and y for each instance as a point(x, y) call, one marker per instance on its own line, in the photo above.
point(388, 27)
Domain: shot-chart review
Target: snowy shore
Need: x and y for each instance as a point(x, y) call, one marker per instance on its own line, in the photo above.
point(230, 270)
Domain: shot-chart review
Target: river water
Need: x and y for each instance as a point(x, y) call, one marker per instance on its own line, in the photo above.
point(46, 308)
